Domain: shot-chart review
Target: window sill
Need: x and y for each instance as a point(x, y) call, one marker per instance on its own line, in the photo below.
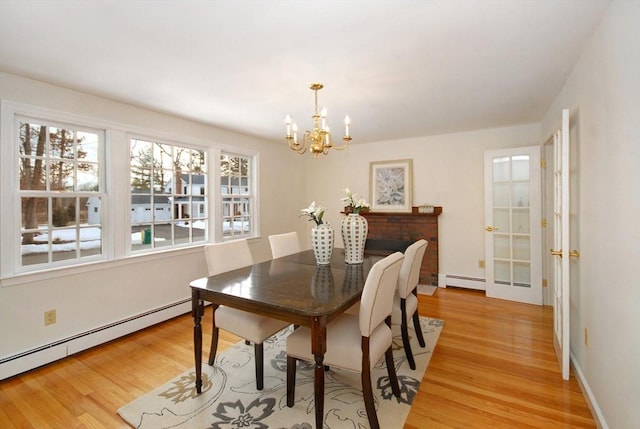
point(24, 278)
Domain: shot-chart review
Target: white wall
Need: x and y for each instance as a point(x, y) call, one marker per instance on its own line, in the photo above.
point(603, 94)
point(448, 171)
point(109, 292)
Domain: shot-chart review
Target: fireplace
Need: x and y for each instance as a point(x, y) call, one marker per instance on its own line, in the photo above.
point(391, 232)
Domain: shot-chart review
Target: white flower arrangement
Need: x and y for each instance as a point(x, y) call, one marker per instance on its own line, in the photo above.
point(354, 204)
point(314, 213)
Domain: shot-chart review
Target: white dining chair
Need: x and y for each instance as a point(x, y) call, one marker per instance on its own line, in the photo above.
point(405, 302)
point(284, 244)
point(356, 342)
point(228, 256)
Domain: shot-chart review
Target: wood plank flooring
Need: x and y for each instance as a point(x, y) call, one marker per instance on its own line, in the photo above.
point(493, 367)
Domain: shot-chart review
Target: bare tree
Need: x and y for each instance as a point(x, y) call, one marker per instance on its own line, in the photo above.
point(31, 176)
point(33, 173)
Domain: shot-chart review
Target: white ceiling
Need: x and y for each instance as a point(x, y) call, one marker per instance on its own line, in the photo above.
point(399, 69)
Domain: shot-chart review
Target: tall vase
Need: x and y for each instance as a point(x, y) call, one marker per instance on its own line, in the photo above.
point(322, 243)
point(354, 235)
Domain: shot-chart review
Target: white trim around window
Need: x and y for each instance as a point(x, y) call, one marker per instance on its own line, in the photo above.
point(116, 222)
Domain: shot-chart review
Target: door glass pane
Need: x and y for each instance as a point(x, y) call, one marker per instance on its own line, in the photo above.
point(501, 169)
point(520, 194)
point(501, 246)
point(501, 219)
point(502, 272)
point(501, 195)
point(522, 274)
point(520, 167)
point(521, 221)
point(521, 248)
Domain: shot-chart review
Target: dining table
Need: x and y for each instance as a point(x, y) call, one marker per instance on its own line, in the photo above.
point(292, 288)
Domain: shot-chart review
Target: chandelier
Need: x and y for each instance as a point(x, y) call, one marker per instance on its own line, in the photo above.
point(319, 140)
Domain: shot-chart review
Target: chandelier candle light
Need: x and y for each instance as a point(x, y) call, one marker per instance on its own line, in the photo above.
point(319, 140)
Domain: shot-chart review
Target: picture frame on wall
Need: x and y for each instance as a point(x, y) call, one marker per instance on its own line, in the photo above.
point(391, 185)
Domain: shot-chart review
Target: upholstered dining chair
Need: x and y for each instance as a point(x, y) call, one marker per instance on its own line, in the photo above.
point(284, 244)
point(405, 303)
point(228, 256)
point(366, 335)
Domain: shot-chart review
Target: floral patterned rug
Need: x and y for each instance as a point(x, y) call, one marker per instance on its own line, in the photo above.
point(229, 398)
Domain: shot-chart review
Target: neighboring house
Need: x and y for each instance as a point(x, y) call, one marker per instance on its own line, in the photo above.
point(189, 204)
point(188, 194)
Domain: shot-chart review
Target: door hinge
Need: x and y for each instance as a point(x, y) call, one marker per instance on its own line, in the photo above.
point(543, 163)
point(543, 223)
point(545, 283)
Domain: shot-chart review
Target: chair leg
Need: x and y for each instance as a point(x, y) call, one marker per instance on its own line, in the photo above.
point(367, 390)
point(214, 345)
point(214, 333)
point(405, 334)
point(391, 370)
point(291, 380)
point(418, 328)
point(259, 355)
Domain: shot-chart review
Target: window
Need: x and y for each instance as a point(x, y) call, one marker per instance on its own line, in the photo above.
point(57, 211)
point(237, 195)
point(168, 195)
point(59, 187)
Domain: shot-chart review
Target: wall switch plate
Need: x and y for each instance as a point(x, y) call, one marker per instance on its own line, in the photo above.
point(49, 317)
point(586, 337)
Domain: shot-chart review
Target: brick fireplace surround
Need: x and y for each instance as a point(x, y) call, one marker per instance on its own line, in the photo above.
point(395, 231)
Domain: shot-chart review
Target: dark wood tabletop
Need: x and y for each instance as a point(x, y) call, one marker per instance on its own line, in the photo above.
point(292, 288)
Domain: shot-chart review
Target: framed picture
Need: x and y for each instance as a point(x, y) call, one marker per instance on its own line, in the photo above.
point(391, 185)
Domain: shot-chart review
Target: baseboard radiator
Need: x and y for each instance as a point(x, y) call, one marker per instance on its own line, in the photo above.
point(445, 280)
point(42, 355)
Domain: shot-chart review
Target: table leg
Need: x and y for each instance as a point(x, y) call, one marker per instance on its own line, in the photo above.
point(318, 348)
point(196, 310)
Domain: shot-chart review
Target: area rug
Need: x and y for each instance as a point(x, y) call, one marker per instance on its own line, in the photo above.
point(427, 289)
point(229, 398)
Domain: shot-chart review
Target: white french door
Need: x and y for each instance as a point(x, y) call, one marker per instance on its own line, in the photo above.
point(560, 265)
point(512, 217)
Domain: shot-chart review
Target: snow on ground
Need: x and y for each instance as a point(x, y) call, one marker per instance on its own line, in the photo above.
point(90, 238)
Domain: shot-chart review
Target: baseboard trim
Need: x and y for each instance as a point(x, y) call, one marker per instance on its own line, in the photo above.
point(47, 353)
point(588, 394)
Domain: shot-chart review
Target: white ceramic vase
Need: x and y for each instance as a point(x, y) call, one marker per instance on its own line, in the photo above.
point(322, 243)
point(354, 235)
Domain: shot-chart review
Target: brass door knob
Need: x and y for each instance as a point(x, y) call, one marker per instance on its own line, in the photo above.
point(574, 253)
point(491, 228)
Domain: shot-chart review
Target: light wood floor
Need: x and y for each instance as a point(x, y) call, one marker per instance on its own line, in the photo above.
point(493, 367)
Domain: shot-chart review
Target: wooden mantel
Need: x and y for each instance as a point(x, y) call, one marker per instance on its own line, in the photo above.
point(409, 227)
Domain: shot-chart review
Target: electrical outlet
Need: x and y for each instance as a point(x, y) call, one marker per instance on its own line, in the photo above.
point(481, 263)
point(49, 317)
point(586, 337)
